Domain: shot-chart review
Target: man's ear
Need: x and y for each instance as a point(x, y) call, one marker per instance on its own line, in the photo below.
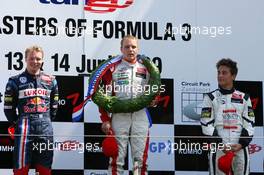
point(234, 77)
point(41, 68)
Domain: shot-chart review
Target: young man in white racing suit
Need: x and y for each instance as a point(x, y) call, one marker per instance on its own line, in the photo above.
point(128, 78)
point(227, 114)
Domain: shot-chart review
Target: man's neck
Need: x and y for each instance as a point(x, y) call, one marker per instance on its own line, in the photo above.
point(130, 61)
point(33, 73)
point(228, 87)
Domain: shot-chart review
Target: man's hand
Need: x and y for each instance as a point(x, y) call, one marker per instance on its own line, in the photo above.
point(106, 127)
point(227, 148)
point(154, 102)
point(236, 147)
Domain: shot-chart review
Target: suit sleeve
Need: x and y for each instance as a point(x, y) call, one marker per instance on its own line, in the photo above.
point(248, 119)
point(208, 119)
point(54, 99)
point(10, 101)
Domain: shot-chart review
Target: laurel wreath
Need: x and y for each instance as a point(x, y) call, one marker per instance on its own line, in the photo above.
point(114, 105)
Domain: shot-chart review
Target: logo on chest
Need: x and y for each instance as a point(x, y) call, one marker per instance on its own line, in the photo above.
point(141, 73)
point(236, 98)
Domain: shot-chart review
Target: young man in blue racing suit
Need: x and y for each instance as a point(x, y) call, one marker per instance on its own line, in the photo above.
point(31, 100)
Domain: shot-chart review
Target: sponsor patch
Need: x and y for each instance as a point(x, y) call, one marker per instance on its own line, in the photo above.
point(8, 107)
point(236, 100)
point(141, 75)
point(141, 70)
point(123, 82)
point(56, 97)
point(236, 96)
point(206, 112)
point(34, 92)
point(8, 88)
point(23, 79)
point(47, 79)
point(8, 99)
point(229, 111)
point(250, 112)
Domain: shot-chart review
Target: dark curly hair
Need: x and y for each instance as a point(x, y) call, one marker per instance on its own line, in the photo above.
point(228, 63)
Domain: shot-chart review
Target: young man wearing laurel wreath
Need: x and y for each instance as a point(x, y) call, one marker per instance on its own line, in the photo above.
point(129, 121)
point(227, 117)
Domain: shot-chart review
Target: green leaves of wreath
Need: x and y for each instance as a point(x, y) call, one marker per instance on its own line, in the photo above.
point(114, 105)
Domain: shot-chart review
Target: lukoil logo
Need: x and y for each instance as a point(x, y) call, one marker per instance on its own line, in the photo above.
point(160, 147)
point(94, 6)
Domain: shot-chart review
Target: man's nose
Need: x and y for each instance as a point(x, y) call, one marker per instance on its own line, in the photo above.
point(219, 75)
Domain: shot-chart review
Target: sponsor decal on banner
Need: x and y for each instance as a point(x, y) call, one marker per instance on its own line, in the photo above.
point(94, 157)
point(71, 90)
point(191, 153)
point(163, 113)
point(95, 6)
point(100, 172)
point(254, 148)
point(161, 145)
point(6, 144)
point(6, 147)
point(191, 100)
point(95, 172)
point(68, 146)
point(161, 172)
point(256, 151)
point(106, 6)
point(65, 172)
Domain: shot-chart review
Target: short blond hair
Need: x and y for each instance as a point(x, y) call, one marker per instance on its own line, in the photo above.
point(127, 37)
point(34, 48)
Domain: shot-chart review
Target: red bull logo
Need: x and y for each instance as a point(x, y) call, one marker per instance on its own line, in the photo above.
point(35, 101)
point(94, 6)
point(35, 105)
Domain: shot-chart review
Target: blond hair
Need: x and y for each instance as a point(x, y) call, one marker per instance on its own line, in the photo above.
point(127, 37)
point(34, 48)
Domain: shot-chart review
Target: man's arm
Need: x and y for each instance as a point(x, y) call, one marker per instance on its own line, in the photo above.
point(248, 118)
point(207, 118)
point(10, 101)
point(54, 99)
